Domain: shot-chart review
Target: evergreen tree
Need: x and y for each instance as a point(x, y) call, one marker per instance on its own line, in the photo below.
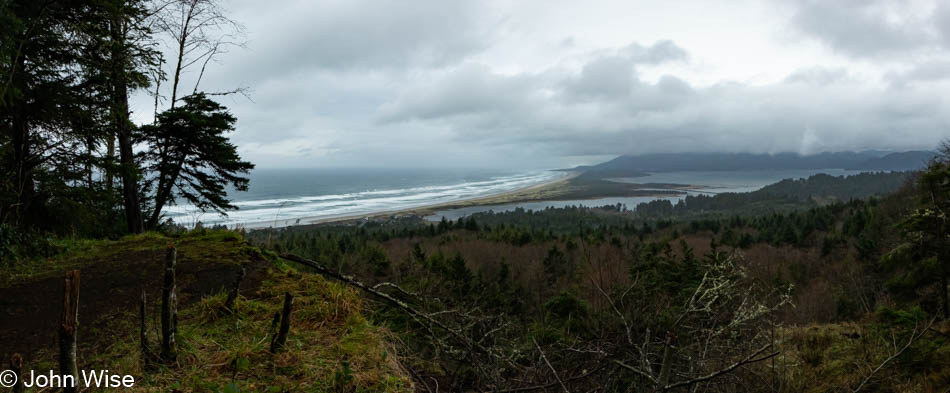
point(925, 254)
point(192, 159)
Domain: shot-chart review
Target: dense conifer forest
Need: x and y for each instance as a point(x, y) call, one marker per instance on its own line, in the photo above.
point(825, 281)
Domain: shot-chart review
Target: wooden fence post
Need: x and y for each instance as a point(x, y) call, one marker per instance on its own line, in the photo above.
point(235, 290)
point(67, 332)
point(143, 332)
point(16, 365)
point(169, 308)
point(281, 338)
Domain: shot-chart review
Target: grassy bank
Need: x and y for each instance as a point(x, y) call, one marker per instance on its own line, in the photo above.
point(331, 346)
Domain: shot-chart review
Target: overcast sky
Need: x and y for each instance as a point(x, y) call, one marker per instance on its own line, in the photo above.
point(550, 83)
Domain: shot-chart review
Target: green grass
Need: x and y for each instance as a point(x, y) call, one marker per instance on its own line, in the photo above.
point(331, 346)
point(74, 253)
point(838, 357)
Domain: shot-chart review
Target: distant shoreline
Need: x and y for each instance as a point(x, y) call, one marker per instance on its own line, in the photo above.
point(562, 188)
point(576, 185)
point(544, 189)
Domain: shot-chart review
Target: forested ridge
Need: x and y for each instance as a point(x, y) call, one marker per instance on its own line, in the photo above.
point(829, 290)
point(783, 196)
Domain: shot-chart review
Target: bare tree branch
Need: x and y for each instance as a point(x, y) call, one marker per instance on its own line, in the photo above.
point(461, 338)
point(747, 360)
point(545, 358)
point(916, 334)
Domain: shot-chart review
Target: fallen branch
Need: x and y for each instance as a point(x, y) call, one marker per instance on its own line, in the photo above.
point(552, 384)
point(545, 358)
point(752, 358)
point(461, 338)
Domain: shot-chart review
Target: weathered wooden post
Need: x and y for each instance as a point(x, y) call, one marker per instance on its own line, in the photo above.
point(143, 332)
point(169, 308)
point(16, 365)
point(281, 338)
point(67, 332)
point(235, 290)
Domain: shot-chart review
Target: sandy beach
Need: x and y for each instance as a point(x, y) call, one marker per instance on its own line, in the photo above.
point(541, 191)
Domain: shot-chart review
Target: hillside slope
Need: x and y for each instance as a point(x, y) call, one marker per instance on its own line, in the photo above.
point(330, 346)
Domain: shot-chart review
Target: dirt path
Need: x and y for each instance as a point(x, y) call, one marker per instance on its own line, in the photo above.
point(109, 301)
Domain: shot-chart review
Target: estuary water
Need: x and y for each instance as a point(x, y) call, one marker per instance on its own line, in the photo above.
point(702, 182)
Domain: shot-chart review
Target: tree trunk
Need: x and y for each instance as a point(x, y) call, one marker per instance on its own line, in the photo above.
point(181, 54)
point(164, 192)
point(110, 154)
point(123, 128)
point(23, 175)
point(90, 149)
point(943, 296)
point(67, 333)
point(169, 308)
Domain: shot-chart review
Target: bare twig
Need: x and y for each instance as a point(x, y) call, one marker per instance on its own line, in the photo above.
point(752, 358)
point(916, 334)
point(545, 358)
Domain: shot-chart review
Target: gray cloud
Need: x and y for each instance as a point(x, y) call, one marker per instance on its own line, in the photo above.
point(365, 34)
point(925, 72)
point(812, 110)
point(614, 74)
point(659, 52)
point(438, 82)
point(817, 75)
point(869, 28)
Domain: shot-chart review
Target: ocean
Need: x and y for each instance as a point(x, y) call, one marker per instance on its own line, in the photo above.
point(282, 197)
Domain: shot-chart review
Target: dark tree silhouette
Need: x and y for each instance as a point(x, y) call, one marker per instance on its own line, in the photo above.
point(191, 158)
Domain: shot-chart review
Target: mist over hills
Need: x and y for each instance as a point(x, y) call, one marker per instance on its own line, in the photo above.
point(629, 165)
point(903, 161)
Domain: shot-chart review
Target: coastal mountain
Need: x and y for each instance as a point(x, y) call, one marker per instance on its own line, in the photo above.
point(903, 161)
point(634, 165)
